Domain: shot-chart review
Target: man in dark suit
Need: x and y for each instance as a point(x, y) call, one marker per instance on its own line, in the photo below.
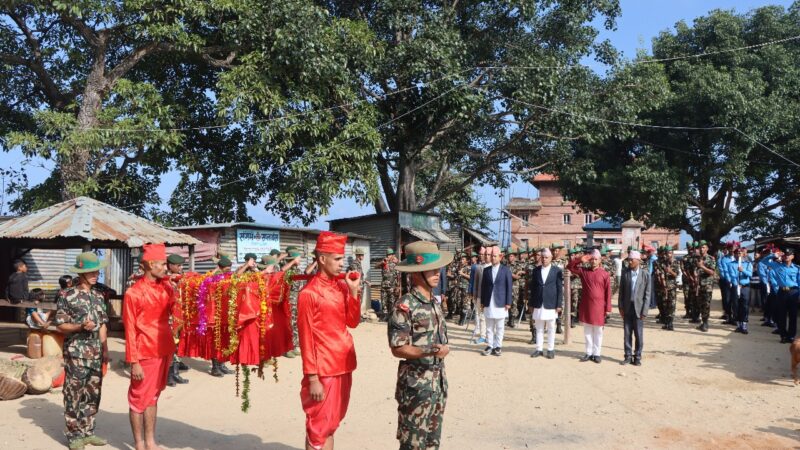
point(546, 300)
point(634, 301)
point(496, 289)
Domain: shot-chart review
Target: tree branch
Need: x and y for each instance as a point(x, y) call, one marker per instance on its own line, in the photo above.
point(386, 181)
point(87, 32)
point(133, 58)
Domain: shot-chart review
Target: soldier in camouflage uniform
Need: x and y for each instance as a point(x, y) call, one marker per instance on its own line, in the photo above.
point(81, 317)
point(686, 281)
point(390, 283)
point(418, 335)
point(533, 263)
point(357, 265)
point(608, 265)
point(660, 284)
point(706, 269)
point(462, 284)
point(575, 288)
point(516, 277)
point(670, 268)
point(560, 260)
point(453, 296)
point(291, 268)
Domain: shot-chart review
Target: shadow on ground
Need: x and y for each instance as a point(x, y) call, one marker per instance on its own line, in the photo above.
point(115, 427)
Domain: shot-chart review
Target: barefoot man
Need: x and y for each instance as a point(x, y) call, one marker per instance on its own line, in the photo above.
point(326, 307)
point(148, 343)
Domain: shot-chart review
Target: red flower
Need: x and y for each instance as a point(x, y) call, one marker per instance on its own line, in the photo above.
point(420, 259)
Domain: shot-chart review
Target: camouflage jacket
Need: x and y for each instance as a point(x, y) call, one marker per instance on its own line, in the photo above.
point(463, 283)
point(418, 322)
point(388, 275)
point(661, 268)
point(74, 306)
point(707, 280)
point(688, 270)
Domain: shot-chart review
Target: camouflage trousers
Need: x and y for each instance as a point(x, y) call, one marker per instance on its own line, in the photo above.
point(293, 311)
point(574, 300)
point(704, 301)
point(388, 299)
point(668, 304)
point(687, 303)
point(456, 303)
point(513, 313)
point(421, 396)
point(82, 387)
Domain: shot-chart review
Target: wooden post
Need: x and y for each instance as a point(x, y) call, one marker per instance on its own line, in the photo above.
point(567, 305)
point(191, 258)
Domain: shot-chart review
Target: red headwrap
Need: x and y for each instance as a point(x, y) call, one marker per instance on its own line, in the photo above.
point(154, 252)
point(328, 242)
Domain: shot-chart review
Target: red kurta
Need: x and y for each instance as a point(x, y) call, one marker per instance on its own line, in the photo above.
point(595, 293)
point(145, 315)
point(325, 309)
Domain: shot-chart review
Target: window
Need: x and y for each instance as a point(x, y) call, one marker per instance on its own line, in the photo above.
point(524, 243)
point(654, 244)
point(587, 219)
point(525, 218)
point(567, 219)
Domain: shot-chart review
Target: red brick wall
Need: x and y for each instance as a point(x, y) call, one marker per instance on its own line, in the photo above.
point(547, 224)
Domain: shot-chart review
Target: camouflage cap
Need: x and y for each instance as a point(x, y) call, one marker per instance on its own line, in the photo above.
point(175, 259)
point(359, 251)
point(88, 262)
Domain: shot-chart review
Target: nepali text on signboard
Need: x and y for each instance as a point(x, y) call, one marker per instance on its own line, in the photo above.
point(259, 242)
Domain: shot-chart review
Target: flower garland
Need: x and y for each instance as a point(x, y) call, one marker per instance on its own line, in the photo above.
point(246, 390)
point(221, 290)
point(202, 300)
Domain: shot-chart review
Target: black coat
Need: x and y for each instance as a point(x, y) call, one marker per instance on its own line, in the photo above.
point(550, 294)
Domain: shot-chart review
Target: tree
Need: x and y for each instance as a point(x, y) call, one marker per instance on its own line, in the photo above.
point(430, 97)
point(119, 93)
point(723, 172)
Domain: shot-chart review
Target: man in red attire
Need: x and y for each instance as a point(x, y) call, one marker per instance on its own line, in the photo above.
point(326, 308)
point(595, 302)
point(148, 342)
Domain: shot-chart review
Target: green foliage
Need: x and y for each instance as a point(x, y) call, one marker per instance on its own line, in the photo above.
point(704, 182)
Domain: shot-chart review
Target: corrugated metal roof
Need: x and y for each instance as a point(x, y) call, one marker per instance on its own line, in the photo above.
point(603, 225)
point(429, 235)
point(482, 238)
point(89, 220)
point(264, 226)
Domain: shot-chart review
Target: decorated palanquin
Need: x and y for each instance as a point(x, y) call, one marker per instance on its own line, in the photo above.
point(238, 318)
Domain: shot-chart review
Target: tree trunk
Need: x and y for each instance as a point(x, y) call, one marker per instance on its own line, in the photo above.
point(74, 165)
point(406, 194)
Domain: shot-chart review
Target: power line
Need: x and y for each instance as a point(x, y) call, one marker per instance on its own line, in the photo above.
point(644, 125)
point(429, 83)
point(389, 122)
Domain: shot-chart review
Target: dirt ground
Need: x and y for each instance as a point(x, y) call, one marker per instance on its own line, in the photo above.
point(715, 390)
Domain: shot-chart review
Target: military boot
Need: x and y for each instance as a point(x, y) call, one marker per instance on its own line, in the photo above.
point(744, 328)
point(171, 377)
point(533, 336)
point(670, 325)
point(558, 326)
point(224, 369)
point(703, 326)
point(215, 372)
point(176, 374)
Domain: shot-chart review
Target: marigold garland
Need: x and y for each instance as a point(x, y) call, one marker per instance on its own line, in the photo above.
point(246, 390)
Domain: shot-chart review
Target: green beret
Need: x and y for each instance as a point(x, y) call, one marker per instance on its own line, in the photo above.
point(224, 261)
point(667, 248)
point(474, 254)
point(274, 252)
point(250, 256)
point(295, 253)
point(291, 248)
point(695, 244)
point(389, 251)
point(703, 242)
point(175, 259)
point(688, 245)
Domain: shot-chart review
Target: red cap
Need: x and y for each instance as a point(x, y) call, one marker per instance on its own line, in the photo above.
point(328, 242)
point(154, 252)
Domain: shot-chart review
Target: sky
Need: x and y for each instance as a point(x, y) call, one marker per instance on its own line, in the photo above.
point(641, 20)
